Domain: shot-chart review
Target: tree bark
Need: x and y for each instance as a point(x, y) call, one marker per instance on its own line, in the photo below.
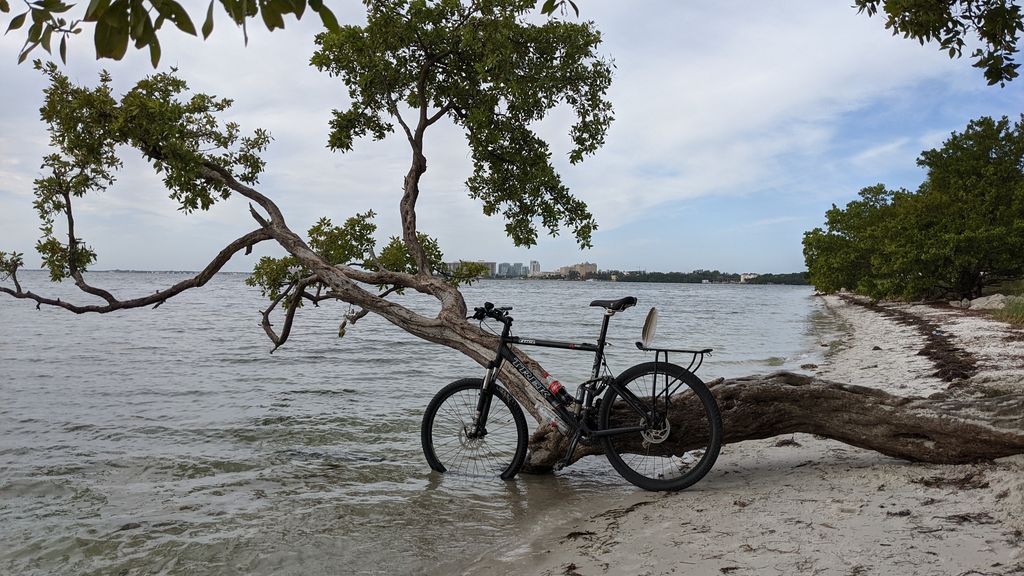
point(938, 429)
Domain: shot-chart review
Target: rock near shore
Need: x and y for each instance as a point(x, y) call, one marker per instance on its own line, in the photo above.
point(992, 302)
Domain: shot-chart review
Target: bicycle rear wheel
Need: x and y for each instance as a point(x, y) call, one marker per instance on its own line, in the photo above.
point(447, 432)
point(682, 427)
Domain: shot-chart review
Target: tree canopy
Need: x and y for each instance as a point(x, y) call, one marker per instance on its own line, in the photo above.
point(995, 25)
point(495, 77)
point(963, 229)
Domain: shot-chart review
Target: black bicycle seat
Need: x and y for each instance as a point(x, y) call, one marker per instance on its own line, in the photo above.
point(616, 305)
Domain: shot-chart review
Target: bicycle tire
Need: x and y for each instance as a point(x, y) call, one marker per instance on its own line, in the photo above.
point(667, 455)
point(452, 412)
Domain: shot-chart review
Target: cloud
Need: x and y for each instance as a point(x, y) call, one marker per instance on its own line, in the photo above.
point(773, 108)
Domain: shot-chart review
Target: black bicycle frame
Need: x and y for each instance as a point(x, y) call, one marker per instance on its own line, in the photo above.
point(505, 354)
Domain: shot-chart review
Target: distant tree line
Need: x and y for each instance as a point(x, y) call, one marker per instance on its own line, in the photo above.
point(697, 277)
point(962, 230)
point(794, 278)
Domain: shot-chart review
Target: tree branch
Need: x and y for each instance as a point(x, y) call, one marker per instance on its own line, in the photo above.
point(393, 109)
point(293, 306)
point(73, 256)
point(440, 113)
point(245, 242)
point(218, 173)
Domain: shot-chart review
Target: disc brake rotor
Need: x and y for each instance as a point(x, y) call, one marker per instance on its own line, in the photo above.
point(656, 435)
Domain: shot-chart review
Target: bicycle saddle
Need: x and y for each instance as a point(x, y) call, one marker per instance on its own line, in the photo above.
point(616, 305)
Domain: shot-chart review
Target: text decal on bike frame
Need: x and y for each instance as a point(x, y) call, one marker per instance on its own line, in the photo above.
point(530, 376)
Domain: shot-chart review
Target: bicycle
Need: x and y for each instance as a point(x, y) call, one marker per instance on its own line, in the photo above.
point(659, 425)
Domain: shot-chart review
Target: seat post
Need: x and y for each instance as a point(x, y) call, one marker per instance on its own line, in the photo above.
point(599, 355)
point(604, 330)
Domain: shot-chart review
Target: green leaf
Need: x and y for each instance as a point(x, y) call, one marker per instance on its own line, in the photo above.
point(136, 19)
point(146, 35)
point(17, 22)
point(154, 51)
point(35, 32)
point(96, 9)
point(175, 13)
point(4, 6)
point(24, 53)
point(271, 16)
point(47, 34)
point(326, 16)
point(64, 49)
point(208, 23)
point(111, 35)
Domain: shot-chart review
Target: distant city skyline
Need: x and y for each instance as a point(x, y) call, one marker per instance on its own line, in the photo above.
point(731, 139)
point(582, 269)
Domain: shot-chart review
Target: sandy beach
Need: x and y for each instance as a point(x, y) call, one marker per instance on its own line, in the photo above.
point(802, 504)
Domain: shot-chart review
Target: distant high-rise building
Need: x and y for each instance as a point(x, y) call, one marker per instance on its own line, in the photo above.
point(586, 269)
point(518, 270)
point(534, 267)
point(504, 270)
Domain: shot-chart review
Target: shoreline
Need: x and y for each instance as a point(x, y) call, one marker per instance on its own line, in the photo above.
point(805, 504)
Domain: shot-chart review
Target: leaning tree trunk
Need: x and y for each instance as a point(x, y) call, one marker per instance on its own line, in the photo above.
point(938, 430)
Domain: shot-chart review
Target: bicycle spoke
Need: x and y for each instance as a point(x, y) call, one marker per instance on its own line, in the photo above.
point(453, 440)
point(671, 451)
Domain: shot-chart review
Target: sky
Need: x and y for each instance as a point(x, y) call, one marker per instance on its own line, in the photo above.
point(737, 124)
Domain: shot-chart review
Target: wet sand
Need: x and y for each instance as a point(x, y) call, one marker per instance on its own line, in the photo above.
point(802, 504)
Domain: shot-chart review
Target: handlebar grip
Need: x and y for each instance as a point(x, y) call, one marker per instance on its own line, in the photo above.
point(489, 310)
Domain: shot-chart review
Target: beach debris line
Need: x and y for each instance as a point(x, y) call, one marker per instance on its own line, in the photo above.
point(952, 363)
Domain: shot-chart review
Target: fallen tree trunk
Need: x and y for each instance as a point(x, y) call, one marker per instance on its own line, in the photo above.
point(939, 429)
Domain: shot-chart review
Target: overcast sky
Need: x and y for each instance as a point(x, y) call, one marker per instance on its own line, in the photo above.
point(737, 125)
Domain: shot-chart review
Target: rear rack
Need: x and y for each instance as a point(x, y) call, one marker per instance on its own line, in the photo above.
point(696, 360)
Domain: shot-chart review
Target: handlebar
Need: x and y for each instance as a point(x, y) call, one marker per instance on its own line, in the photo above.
point(499, 313)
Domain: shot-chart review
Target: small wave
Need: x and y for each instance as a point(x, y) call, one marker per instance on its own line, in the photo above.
point(770, 361)
point(329, 458)
point(323, 391)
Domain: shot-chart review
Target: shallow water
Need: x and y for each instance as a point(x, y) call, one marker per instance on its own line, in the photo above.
point(169, 441)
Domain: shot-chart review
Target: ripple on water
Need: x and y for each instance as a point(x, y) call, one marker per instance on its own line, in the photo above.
point(170, 442)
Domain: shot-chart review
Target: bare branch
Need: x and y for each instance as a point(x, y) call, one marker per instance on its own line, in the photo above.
point(440, 113)
point(258, 217)
point(393, 109)
point(293, 306)
point(218, 173)
point(73, 256)
point(354, 316)
point(157, 298)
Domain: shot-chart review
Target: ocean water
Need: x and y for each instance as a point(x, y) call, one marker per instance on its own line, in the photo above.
point(170, 441)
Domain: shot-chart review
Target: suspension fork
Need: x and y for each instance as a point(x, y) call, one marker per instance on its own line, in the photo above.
point(483, 403)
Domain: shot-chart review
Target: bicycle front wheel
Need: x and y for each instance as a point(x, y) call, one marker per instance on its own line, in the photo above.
point(681, 426)
point(448, 438)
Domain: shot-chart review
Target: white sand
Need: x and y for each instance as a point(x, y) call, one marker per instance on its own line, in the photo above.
point(816, 506)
